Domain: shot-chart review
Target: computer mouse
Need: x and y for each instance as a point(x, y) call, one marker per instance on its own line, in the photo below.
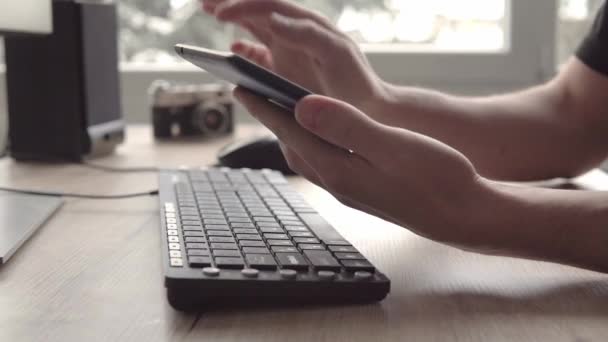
point(256, 153)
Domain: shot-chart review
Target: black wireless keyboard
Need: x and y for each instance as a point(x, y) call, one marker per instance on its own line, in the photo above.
point(247, 237)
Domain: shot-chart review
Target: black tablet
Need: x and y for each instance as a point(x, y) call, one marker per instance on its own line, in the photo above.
point(242, 72)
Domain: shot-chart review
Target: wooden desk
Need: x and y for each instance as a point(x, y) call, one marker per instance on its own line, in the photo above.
point(93, 273)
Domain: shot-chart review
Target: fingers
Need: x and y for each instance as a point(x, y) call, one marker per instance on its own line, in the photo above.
point(307, 35)
point(258, 53)
point(236, 10)
point(299, 165)
point(342, 125)
point(210, 5)
point(334, 166)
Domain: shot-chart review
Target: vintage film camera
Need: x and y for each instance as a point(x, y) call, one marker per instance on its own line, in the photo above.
point(191, 110)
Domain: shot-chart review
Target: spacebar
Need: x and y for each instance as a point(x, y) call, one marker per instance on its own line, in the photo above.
point(322, 229)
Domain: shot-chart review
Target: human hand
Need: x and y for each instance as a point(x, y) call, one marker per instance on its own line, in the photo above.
point(304, 47)
point(398, 175)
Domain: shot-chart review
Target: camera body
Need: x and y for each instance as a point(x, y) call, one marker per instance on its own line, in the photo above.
point(191, 110)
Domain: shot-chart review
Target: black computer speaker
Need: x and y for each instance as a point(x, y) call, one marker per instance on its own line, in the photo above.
point(63, 89)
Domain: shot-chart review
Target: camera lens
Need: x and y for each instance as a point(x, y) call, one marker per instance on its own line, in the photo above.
point(211, 118)
point(214, 119)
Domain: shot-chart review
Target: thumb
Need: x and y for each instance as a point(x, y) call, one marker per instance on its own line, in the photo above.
point(341, 124)
point(304, 34)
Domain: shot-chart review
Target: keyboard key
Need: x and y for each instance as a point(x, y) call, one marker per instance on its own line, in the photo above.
point(217, 226)
point(322, 260)
point(175, 254)
point(174, 246)
point(301, 234)
point(358, 265)
point(214, 221)
point(235, 214)
point(261, 261)
point(284, 249)
point(349, 256)
point(296, 229)
point(223, 245)
point(261, 213)
point(191, 223)
point(305, 240)
point(292, 260)
point(249, 243)
point(226, 253)
point(229, 262)
point(191, 218)
point(213, 216)
point(221, 239)
point(280, 243)
point(172, 232)
point(248, 237)
point(192, 228)
point(198, 252)
point(343, 249)
point(309, 246)
point(199, 261)
point(242, 225)
point(191, 233)
point(287, 213)
point(271, 230)
point(291, 222)
point(196, 245)
point(173, 239)
point(256, 250)
point(322, 229)
point(194, 239)
point(219, 233)
point(205, 212)
point(268, 225)
point(176, 262)
point(244, 231)
point(276, 236)
point(264, 219)
point(239, 219)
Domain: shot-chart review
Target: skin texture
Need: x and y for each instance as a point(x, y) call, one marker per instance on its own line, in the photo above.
point(426, 160)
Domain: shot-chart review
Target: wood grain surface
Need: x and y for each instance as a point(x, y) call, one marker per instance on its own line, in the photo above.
point(93, 273)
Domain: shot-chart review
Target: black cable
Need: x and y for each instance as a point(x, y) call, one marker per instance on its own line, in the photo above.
point(119, 169)
point(66, 194)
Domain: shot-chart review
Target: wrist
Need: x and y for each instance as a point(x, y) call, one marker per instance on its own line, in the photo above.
point(470, 218)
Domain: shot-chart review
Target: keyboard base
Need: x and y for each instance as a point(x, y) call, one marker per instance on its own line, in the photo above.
point(190, 296)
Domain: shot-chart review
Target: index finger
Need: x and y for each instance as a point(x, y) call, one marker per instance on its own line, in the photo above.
point(239, 10)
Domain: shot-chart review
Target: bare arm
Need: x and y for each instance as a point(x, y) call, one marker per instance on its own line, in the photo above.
point(559, 129)
point(564, 226)
point(404, 182)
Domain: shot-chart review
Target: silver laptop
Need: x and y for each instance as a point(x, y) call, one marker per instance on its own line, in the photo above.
point(20, 217)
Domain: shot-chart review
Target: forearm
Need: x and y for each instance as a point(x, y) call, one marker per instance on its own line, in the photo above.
point(538, 133)
point(563, 226)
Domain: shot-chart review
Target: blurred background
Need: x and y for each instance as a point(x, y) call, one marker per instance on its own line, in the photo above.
point(461, 46)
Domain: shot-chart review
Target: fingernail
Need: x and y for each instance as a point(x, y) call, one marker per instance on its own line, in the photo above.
point(280, 19)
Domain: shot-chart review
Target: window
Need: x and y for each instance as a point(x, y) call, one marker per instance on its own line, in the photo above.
point(462, 46)
point(150, 28)
point(439, 43)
